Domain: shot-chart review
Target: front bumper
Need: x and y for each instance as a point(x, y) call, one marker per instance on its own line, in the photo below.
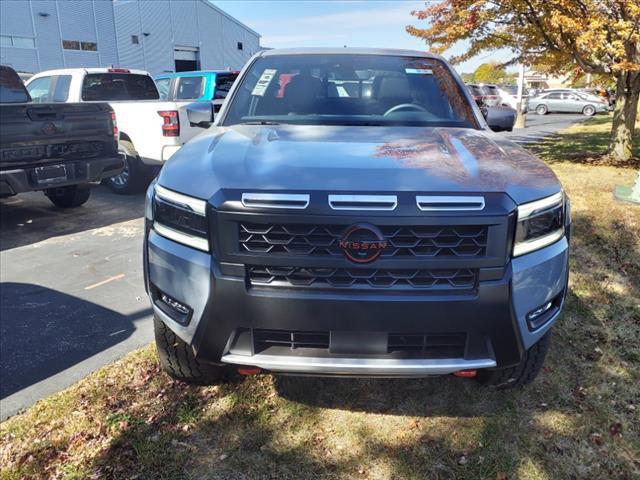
point(227, 310)
point(19, 180)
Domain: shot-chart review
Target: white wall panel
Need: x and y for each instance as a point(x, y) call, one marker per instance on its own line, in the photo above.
point(210, 22)
point(15, 18)
point(48, 41)
point(21, 59)
point(127, 20)
point(77, 21)
point(168, 23)
point(155, 17)
point(106, 30)
point(78, 59)
point(185, 23)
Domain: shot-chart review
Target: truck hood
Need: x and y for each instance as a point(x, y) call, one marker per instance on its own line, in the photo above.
point(356, 159)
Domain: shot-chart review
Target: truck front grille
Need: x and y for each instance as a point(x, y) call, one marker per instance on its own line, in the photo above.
point(264, 339)
point(423, 345)
point(426, 241)
point(462, 279)
point(441, 345)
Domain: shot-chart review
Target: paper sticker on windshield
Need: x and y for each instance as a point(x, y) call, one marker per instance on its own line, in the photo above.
point(263, 82)
point(419, 71)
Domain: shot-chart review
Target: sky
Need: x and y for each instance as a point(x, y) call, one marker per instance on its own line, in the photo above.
point(335, 23)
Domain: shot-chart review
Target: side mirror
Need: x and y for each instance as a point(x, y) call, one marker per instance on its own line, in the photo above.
point(500, 119)
point(200, 114)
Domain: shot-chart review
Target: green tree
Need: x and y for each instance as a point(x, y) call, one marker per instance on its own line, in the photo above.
point(490, 72)
point(599, 36)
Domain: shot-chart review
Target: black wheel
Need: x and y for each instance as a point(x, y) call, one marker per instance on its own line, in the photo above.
point(523, 373)
point(542, 110)
point(132, 178)
point(69, 197)
point(589, 111)
point(178, 360)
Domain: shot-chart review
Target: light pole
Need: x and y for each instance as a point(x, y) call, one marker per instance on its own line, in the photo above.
point(520, 118)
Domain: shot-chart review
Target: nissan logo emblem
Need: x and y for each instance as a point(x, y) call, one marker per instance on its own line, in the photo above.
point(362, 243)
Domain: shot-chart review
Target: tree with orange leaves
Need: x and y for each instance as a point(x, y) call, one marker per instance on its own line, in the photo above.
point(598, 36)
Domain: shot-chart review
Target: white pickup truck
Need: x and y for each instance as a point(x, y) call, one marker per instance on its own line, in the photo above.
point(150, 130)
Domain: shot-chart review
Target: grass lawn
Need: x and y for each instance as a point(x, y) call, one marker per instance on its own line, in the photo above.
point(579, 420)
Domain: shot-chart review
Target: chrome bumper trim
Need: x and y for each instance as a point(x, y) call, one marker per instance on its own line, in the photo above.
point(358, 366)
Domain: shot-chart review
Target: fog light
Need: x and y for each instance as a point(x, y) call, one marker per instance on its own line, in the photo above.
point(539, 311)
point(538, 317)
point(175, 309)
point(176, 305)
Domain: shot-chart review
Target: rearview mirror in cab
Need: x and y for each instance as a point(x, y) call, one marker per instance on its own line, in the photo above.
point(200, 114)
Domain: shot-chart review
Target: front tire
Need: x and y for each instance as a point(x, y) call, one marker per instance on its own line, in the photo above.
point(542, 110)
point(69, 197)
point(523, 373)
point(178, 360)
point(589, 111)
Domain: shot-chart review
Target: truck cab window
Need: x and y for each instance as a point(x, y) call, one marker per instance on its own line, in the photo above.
point(39, 90)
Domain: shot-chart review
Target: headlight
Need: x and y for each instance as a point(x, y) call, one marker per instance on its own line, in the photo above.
point(540, 223)
point(180, 218)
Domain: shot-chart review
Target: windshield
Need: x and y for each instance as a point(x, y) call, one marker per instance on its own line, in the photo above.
point(350, 89)
point(118, 86)
point(224, 81)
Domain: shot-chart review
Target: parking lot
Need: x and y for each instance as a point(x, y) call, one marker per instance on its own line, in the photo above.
point(72, 294)
point(72, 289)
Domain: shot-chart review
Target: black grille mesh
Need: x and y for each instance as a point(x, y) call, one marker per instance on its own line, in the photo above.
point(442, 345)
point(322, 240)
point(450, 279)
point(432, 345)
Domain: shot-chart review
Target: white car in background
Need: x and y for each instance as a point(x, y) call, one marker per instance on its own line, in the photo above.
point(509, 96)
point(150, 130)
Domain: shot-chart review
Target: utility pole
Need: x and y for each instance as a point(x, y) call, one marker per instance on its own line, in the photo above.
point(520, 118)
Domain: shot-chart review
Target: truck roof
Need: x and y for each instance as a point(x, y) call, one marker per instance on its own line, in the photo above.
point(347, 51)
point(71, 71)
point(194, 73)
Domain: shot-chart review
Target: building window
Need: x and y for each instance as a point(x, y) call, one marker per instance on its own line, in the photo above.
point(19, 42)
point(89, 46)
point(78, 45)
point(135, 39)
point(240, 46)
point(71, 44)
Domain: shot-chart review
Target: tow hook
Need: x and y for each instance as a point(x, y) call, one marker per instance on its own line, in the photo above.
point(466, 373)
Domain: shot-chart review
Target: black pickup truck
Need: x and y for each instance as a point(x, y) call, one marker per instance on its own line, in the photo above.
point(59, 148)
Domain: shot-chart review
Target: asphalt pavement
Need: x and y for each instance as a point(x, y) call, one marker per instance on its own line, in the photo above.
point(71, 285)
point(540, 127)
point(71, 294)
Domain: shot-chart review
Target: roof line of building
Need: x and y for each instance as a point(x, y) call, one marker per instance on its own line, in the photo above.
point(233, 19)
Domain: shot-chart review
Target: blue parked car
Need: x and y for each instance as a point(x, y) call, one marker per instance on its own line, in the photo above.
point(197, 86)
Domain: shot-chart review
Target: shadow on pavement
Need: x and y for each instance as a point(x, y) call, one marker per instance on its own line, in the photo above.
point(43, 332)
point(30, 218)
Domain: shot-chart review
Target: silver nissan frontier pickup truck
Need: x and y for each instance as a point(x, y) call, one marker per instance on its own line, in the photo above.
point(349, 212)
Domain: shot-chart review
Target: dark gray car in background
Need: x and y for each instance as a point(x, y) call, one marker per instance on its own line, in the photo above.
point(377, 230)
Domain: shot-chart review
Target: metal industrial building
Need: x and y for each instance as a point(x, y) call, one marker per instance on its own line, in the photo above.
point(154, 35)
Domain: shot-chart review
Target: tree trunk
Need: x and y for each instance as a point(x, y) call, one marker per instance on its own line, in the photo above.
point(624, 116)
